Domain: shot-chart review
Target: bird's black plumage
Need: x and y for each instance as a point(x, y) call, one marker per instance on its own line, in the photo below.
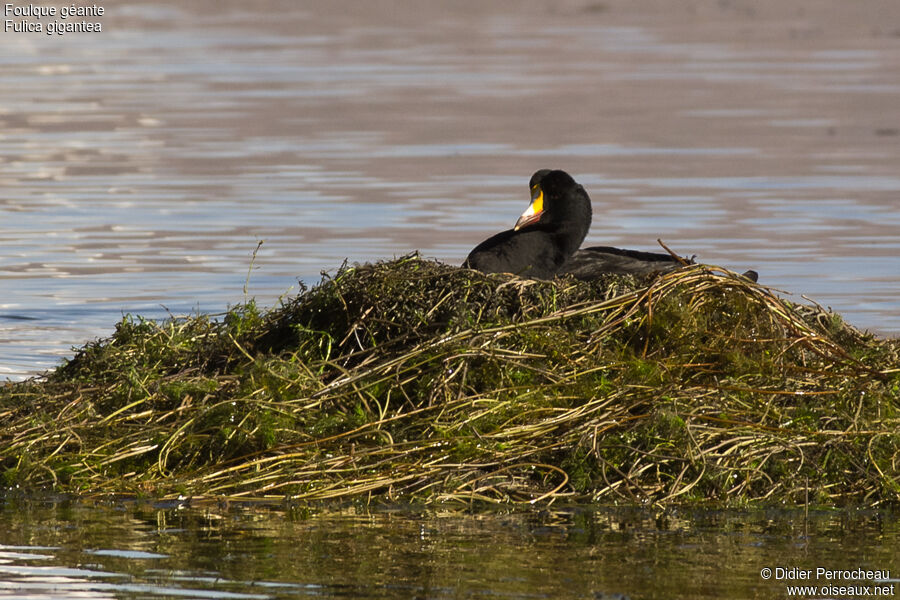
point(545, 236)
point(545, 240)
point(588, 263)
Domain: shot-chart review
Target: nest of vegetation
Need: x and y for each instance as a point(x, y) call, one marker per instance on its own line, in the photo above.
point(411, 380)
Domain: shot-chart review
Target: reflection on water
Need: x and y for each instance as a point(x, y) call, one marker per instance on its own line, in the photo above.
point(140, 551)
point(141, 166)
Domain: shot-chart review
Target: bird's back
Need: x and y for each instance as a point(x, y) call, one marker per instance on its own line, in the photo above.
point(589, 263)
point(525, 253)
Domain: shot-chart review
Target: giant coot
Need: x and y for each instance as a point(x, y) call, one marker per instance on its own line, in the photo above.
point(549, 231)
point(544, 243)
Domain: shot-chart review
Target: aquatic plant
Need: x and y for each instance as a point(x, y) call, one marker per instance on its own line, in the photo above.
point(411, 380)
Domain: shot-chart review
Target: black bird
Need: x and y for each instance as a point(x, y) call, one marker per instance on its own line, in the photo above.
point(544, 243)
point(549, 231)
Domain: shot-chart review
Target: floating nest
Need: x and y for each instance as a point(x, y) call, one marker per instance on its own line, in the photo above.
point(415, 381)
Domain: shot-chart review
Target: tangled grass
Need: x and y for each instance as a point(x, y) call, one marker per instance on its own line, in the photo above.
point(411, 380)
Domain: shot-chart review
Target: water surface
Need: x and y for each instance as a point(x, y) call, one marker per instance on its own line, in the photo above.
point(78, 550)
point(141, 166)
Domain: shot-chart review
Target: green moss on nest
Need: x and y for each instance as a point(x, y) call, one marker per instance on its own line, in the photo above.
point(415, 380)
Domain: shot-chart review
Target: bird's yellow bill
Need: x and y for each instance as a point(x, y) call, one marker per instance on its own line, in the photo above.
point(534, 211)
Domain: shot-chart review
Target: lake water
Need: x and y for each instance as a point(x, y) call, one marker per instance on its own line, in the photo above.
point(140, 166)
point(129, 550)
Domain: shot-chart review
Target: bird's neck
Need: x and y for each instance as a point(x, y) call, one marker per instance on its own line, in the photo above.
point(571, 235)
